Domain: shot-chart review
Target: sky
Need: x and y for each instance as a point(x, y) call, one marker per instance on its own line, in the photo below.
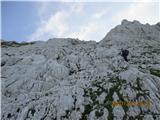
point(42, 20)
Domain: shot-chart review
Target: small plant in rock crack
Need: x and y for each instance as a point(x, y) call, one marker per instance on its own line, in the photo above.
point(155, 72)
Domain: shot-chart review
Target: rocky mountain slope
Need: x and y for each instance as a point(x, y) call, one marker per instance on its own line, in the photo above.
point(69, 79)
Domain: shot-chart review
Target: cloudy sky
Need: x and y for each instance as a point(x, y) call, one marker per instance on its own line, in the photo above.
point(30, 21)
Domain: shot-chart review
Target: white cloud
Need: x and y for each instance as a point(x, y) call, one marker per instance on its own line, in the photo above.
point(57, 23)
point(86, 32)
point(145, 12)
point(99, 14)
point(78, 8)
point(55, 26)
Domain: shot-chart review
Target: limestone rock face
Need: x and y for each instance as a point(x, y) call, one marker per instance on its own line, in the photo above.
point(69, 79)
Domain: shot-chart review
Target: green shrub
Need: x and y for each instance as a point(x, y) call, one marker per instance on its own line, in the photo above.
point(155, 72)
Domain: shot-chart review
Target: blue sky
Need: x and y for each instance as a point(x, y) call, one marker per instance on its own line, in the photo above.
point(31, 21)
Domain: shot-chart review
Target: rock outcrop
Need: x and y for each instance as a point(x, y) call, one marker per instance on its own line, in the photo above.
point(69, 79)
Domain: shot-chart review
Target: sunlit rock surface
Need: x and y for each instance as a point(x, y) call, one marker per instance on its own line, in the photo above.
point(69, 79)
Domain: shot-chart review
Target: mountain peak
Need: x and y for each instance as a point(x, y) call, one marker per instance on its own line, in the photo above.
point(131, 31)
point(126, 22)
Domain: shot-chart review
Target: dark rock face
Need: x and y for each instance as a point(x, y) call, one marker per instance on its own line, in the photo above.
point(69, 79)
point(14, 44)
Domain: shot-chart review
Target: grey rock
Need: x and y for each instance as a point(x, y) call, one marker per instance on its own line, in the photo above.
point(69, 79)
